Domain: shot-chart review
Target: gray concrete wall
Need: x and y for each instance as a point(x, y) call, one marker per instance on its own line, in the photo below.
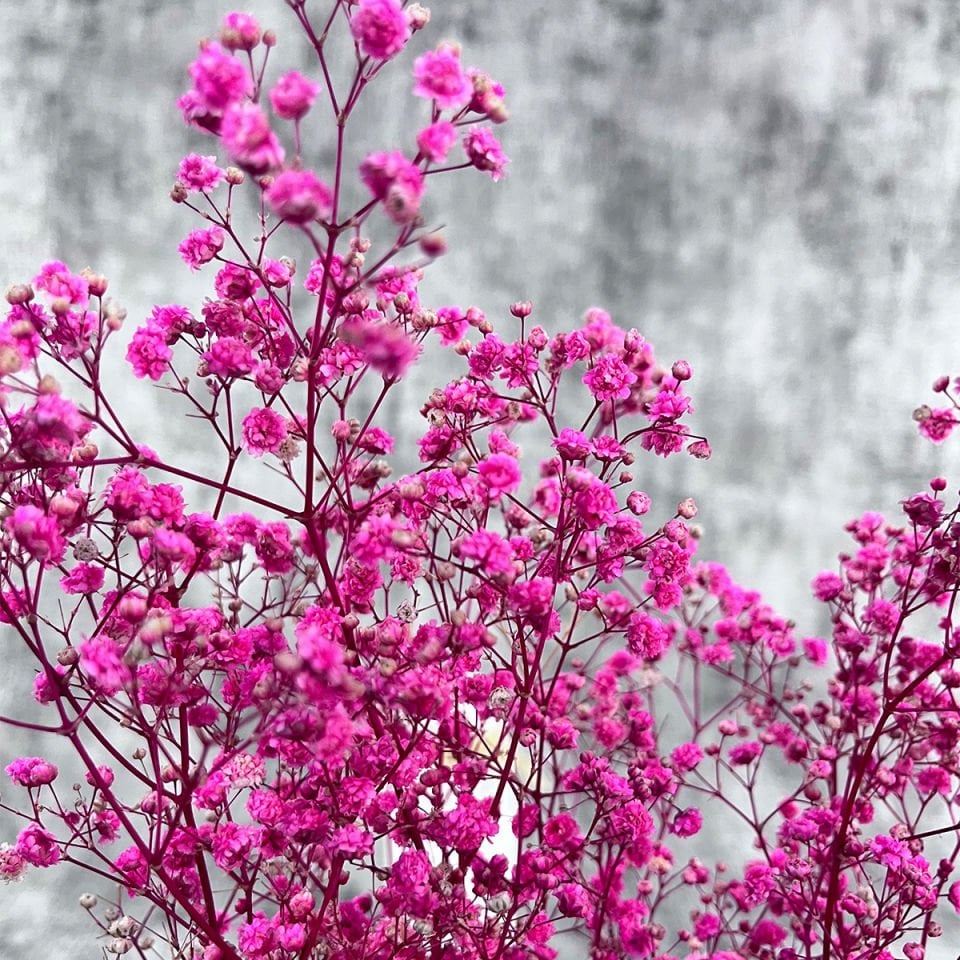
point(767, 188)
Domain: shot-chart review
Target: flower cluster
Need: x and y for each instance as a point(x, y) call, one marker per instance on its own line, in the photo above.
point(472, 702)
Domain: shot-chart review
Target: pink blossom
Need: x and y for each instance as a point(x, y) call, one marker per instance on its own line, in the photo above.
point(299, 196)
point(148, 352)
point(199, 174)
point(441, 78)
point(380, 28)
point(609, 378)
point(385, 346)
point(56, 280)
point(83, 578)
point(484, 152)
point(938, 424)
point(132, 866)
point(36, 533)
point(12, 864)
point(247, 136)
point(647, 636)
point(436, 141)
point(229, 357)
point(102, 661)
point(293, 95)
point(38, 847)
point(201, 246)
point(687, 823)
point(219, 79)
point(264, 430)
point(31, 772)
point(396, 181)
point(500, 474)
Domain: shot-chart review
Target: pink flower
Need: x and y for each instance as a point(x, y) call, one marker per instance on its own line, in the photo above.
point(219, 79)
point(83, 578)
point(380, 28)
point(395, 180)
point(38, 847)
point(436, 140)
point(229, 357)
point(747, 752)
point(56, 280)
point(199, 173)
point(500, 474)
point(31, 772)
point(609, 378)
point(385, 346)
point(134, 869)
point(264, 430)
point(827, 586)
point(299, 196)
point(292, 95)
point(148, 352)
point(200, 247)
point(938, 425)
point(687, 823)
point(102, 661)
point(12, 864)
point(647, 636)
point(484, 152)
point(37, 533)
point(440, 78)
point(596, 504)
point(246, 134)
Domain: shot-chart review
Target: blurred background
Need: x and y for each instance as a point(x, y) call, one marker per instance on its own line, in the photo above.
point(769, 189)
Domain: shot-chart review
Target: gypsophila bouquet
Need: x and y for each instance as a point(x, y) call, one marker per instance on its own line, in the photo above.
point(479, 710)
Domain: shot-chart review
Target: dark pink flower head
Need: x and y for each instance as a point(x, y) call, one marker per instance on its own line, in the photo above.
point(299, 196)
point(395, 180)
point(36, 533)
point(385, 346)
point(31, 771)
point(292, 95)
point(199, 173)
point(500, 474)
point(38, 847)
point(240, 31)
point(201, 246)
point(56, 280)
point(436, 141)
point(938, 424)
point(246, 134)
point(484, 152)
point(264, 430)
point(380, 28)
point(441, 78)
point(219, 79)
point(609, 378)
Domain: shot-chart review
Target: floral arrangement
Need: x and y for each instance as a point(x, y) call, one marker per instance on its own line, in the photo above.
point(479, 710)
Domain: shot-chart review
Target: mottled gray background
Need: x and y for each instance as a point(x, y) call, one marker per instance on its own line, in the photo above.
point(767, 188)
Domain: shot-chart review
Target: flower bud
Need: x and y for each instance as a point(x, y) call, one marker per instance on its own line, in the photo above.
point(96, 283)
point(88, 901)
point(417, 16)
point(433, 244)
point(19, 294)
point(687, 508)
point(681, 370)
point(521, 309)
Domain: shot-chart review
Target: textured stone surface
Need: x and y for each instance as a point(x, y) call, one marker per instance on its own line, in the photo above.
point(768, 188)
